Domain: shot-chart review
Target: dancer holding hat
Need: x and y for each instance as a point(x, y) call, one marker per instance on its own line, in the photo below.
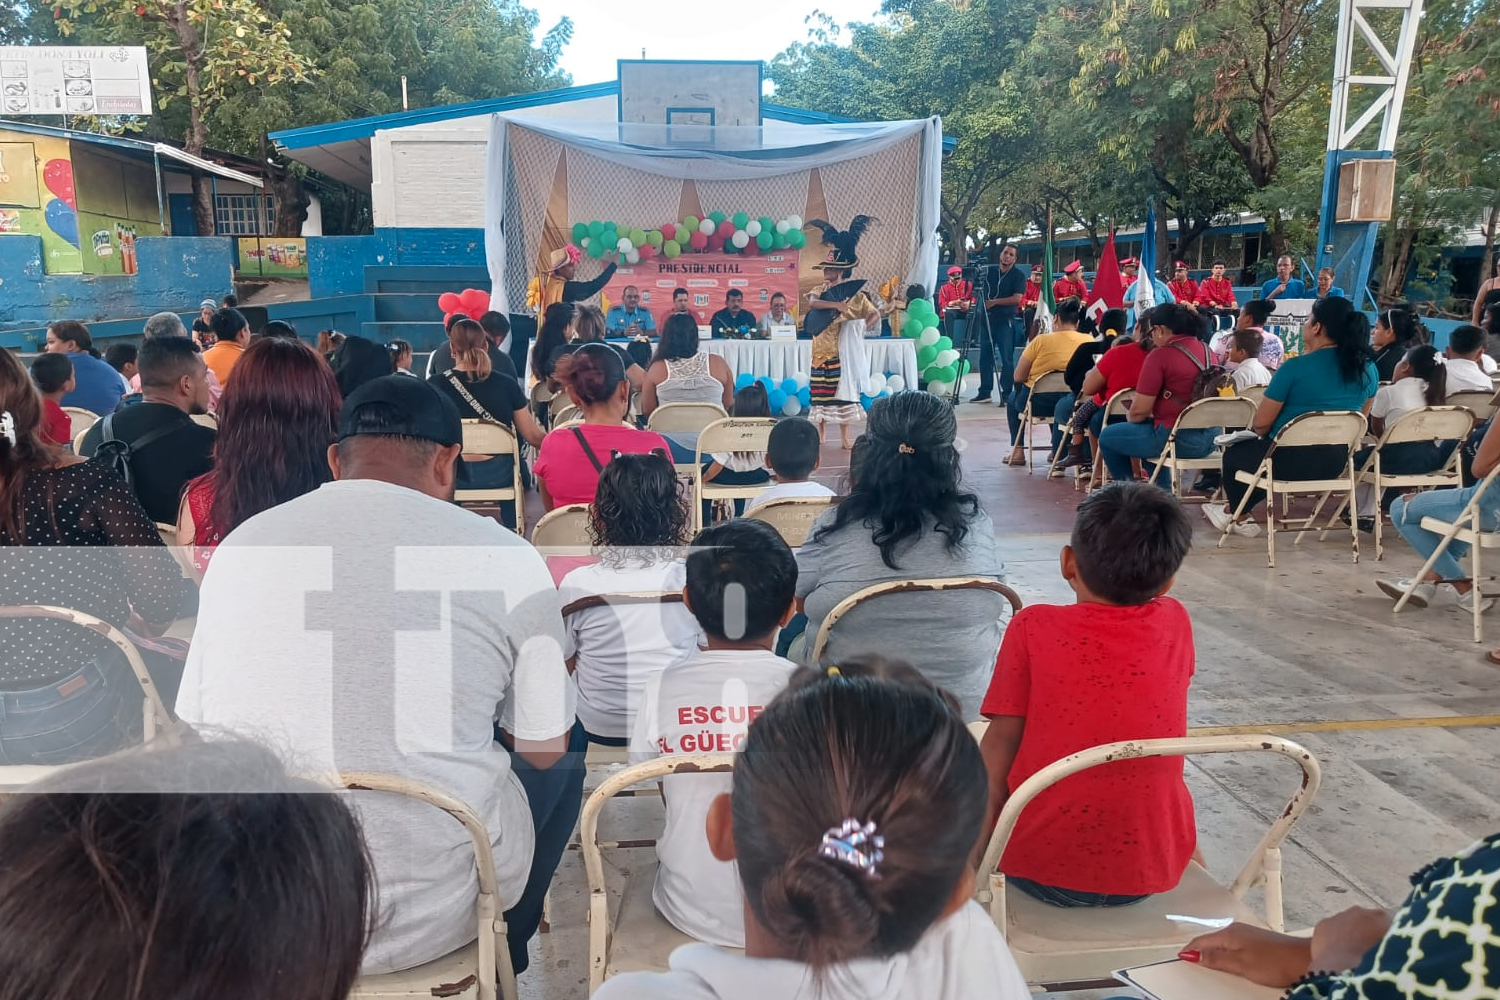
point(557, 284)
point(838, 312)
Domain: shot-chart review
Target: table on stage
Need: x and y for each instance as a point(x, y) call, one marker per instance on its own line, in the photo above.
point(782, 359)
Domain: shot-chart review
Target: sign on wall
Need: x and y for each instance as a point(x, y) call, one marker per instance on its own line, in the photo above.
point(707, 278)
point(74, 80)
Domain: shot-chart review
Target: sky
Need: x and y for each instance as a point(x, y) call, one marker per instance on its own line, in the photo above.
point(607, 30)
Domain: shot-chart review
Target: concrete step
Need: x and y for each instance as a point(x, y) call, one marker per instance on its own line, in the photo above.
point(429, 278)
point(422, 336)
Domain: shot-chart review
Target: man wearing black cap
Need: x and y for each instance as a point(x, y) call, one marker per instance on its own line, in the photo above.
point(371, 625)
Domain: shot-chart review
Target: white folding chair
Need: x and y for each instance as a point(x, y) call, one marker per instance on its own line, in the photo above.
point(1342, 428)
point(1254, 393)
point(565, 527)
point(483, 965)
point(792, 517)
point(1056, 945)
point(1466, 529)
point(638, 938)
point(484, 438)
point(205, 420)
point(1429, 425)
point(82, 419)
point(1228, 412)
point(567, 414)
point(930, 585)
point(1117, 405)
point(557, 403)
point(684, 418)
point(78, 441)
point(1051, 382)
point(730, 434)
point(1481, 404)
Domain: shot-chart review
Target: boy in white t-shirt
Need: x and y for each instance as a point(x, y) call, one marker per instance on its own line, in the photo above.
point(741, 586)
point(1244, 354)
point(792, 455)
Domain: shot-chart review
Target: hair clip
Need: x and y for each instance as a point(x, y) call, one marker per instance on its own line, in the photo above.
point(8, 427)
point(835, 672)
point(906, 449)
point(856, 845)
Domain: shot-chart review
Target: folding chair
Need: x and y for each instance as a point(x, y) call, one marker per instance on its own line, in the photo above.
point(565, 527)
point(482, 965)
point(82, 419)
point(638, 938)
point(684, 418)
point(1254, 393)
point(1057, 946)
point(205, 420)
point(1117, 405)
point(1228, 412)
point(792, 517)
point(558, 402)
point(1051, 382)
point(484, 438)
point(1431, 424)
point(1467, 529)
point(78, 441)
point(1481, 404)
point(1344, 428)
point(566, 414)
point(730, 434)
point(930, 585)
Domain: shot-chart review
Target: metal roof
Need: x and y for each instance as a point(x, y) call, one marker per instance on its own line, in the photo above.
point(139, 146)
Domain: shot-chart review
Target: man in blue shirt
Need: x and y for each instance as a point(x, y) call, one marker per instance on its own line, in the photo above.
point(99, 387)
point(1284, 286)
point(628, 319)
point(1004, 288)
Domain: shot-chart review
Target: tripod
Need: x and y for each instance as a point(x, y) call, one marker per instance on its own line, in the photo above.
point(970, 324)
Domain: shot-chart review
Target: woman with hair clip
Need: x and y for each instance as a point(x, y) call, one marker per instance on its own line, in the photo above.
point(636, 523)
point(1397, 331)
point(908, 516)
point(1334, 372)
point(571, 458)
point(72, 534)
point(858, 794)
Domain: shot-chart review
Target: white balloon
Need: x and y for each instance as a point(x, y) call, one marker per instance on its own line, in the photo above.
point(633, 257)
point(624, 246)
point(707, 226)
point(946, 358)
point(877, 383)
point(940, 388)
point(585, 244)
point(895, 383)
point(928, 337)
point(753, 227)
point(802, 380)
point(795, 221)
point(792, 407)
point(783, 227)
point(740, 239)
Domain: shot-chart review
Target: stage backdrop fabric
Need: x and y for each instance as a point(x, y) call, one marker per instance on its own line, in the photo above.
point(708, 277)
point(543, 175)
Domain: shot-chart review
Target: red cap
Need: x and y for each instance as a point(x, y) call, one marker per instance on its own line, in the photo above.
point(1181, 265)
point(955, 270)
point(1129, 262)
point(1073, 267)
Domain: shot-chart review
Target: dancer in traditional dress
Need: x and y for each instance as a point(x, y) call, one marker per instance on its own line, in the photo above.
point(837, 323)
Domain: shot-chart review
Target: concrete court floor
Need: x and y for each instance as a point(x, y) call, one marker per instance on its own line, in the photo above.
point(1308, 641)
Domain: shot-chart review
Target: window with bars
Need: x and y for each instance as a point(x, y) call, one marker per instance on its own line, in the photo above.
point(244, 214)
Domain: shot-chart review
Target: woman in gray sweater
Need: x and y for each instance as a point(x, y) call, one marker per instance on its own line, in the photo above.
point(907, 517)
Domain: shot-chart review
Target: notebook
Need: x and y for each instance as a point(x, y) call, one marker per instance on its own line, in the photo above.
point(1175, 979)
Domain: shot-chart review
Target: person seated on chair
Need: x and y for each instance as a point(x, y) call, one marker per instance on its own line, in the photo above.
point(1397, 330)
point(907, 516)
point(636, 522)
point(1421, 380)
point(1118, 366)
point(184, 871)
point(98, 388)
point(1253, 316)
point(53, 376)
point(324, 630)
point(1437, 944)
point(1048, 352)
point(1447, 583)
point(1108, 836)
point(792, 455)
point(1468, 365)
point(734, 321)
point(1244, 356)
point(1163, 390)
point(856, 796)
point(741, 587)
point(740, 468)
point(1334, 372)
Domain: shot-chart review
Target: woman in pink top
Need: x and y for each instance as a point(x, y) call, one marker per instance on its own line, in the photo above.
point(568, 466)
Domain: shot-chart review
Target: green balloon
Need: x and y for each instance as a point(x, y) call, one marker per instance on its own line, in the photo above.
point(798, 238)
point(763, 240)
point(580, 231)
point(671, 248)
point(778, 240)
point(741, 220)
point(912, 327)
point(944, 344)
point(925, 355)
point(596, 248)
point(595, 228)
point(964, 367)
point(654, 237)
point(638, 237)
point(718, 217)
point(766, 222)
point(691, 222)
point(947, 374)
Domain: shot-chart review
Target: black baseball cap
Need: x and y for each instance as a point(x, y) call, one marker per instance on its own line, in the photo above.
point(421, 411)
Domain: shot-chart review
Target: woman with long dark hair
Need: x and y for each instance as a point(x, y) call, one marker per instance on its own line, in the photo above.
point(275, 425)
point(359, 360)
point(72, 534)
point(1397, 331)
point(682, 372)
point(1334, 372)
point(556, 331)
point(908, 516)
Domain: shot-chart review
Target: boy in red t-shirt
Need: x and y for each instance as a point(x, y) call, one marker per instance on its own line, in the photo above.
point(53, 375)
point(1114, 666)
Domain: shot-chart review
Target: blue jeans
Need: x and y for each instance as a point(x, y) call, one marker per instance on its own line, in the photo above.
point(1407, 516)
point(89, 713)
point(1119, 443)
point(1069, 898)
point(555, 797)
point(1045, 402)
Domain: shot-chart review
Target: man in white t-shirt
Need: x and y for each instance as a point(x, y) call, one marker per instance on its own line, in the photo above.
point(741, 586)
point(792, 455)
point(1466, 358)
point(371, 625)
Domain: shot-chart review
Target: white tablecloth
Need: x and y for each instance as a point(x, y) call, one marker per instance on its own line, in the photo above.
point(782, 359)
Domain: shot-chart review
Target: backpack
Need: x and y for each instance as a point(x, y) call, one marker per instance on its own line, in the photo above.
point(1212, 380)
point(118, 454)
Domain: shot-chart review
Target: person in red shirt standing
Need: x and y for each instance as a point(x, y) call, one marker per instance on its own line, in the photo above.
point(1183, 288)
point(1114, 666)
point(1216, 297)
point(1071, 285)
point(1030, 296)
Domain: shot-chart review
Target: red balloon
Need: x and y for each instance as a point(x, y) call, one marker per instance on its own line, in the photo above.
point(750, 249)
point(475, 313)
point(669, 231)
point(726, 229)
point(449, 302)
point(715, 243)
point(473, 299)
point(647, 252)
point(698, 241)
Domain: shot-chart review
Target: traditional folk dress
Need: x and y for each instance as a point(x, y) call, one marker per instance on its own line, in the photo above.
point(840, 366)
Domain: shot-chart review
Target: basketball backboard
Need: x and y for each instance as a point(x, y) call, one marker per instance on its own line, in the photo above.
point(689, 95)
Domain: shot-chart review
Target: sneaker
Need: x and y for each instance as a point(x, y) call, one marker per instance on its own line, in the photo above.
point(1421, 596)
point(1056, 472)
point(1218, 515)
point(980, 399)
point(1447, 596)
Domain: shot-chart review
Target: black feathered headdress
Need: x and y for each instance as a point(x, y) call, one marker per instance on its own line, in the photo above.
point(841, 245)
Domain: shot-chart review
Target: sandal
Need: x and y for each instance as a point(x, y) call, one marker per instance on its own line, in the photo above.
point(1493, 656)
point(1014, 459)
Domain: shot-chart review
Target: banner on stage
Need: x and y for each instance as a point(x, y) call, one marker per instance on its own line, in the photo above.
point(1287, 319)
point(708, 277)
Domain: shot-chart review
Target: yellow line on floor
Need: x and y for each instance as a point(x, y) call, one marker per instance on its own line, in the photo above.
point(1349, 725)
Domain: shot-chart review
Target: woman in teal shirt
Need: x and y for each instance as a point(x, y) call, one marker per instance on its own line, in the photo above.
point(1335, 372)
